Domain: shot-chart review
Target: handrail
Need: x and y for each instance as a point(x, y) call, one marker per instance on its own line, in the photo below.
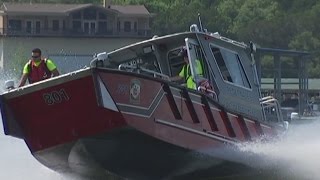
point(93, 61)
point(265, 98)
point(155, 74)
point(268, 102)
point(126, 66)
point(209, 91)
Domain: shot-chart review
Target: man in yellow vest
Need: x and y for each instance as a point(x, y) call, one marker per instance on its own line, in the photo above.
point(185, 73)
point(38, 69)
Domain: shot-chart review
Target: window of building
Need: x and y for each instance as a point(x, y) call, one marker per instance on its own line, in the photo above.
point(135, 26)
point(15, 25)
point(102, 27)
point(102, 16)
point(28, 26)
point(55, 25)
point(76, 15)
point(46, 25)
point(230, 66)
point(38, 27)
point(76, 25)
point(90, 14)
point(118, 26)
point(64, 25)
point(127, 26)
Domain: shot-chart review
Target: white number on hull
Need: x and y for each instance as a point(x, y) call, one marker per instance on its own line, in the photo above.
point(55, 97)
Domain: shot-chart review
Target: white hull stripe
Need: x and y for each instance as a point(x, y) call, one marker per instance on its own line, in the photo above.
point(141, 111)
point(211, 135)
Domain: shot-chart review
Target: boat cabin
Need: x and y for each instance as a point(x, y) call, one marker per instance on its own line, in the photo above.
point(228, 69)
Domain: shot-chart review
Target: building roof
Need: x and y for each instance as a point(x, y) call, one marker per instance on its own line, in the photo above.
point(36, 8)
point(131, 9)
point(40, 8)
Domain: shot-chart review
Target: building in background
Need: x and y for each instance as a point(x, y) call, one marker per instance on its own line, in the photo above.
point(76, 20)
point(69, 30)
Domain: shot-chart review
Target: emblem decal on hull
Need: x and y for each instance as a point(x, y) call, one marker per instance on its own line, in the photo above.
point(135, 89)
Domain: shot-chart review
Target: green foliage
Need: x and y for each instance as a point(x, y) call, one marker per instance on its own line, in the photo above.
point(287, 24)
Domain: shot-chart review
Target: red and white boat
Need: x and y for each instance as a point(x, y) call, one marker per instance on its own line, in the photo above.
point(122, 116)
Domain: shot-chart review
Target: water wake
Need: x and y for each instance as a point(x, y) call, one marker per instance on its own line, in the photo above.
point(16, 161)
point(297, 154)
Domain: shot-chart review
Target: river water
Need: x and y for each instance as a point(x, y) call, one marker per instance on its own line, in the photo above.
point(295, 156)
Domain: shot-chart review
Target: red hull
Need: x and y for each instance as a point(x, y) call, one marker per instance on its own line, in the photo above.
point(60, 119)
point(74, 114)
point(203, 124)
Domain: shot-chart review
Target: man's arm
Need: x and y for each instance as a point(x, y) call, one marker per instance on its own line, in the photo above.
point(180, 76)
point(23, 80)
point(55, 72)
point(25, 74)
point(52, 67)
point(176, 78)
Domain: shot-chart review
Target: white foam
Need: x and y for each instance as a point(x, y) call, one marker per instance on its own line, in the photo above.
point(296, 154)
point(16, 161)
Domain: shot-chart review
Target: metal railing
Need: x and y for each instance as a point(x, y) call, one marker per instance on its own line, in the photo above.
point(271, 109)
point(141, 69)
point(75, 32)
point(208, 91)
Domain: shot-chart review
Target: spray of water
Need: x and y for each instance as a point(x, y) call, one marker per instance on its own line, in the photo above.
point(16, 161)
point(297, 154)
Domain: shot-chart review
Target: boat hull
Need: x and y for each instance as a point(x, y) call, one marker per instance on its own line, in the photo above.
point(182, 117)
point(102, 122)
point(128, 153)
point(56, 112)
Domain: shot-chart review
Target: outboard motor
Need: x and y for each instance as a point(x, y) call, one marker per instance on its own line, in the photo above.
point(9, 84)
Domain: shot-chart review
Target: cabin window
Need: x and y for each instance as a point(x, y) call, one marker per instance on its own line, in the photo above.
point(55, 25)
point(176, 61)
point(127, 26)
point(144, 60)
point(15, 25)
point(230, 66)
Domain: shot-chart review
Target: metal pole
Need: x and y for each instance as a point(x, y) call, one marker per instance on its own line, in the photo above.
point(258, 65)
point(277, 77)
point(200, 22)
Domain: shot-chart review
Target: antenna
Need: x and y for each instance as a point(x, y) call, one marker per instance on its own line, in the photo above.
point(200, 22)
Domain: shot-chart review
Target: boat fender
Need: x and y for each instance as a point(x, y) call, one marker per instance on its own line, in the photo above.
point(9, 84)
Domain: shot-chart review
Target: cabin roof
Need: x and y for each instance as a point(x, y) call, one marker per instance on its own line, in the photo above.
point(156, 40)
point(178, 36)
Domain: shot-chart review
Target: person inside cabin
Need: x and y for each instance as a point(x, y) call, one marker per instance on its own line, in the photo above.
point(185, 73)
point(38, 68)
